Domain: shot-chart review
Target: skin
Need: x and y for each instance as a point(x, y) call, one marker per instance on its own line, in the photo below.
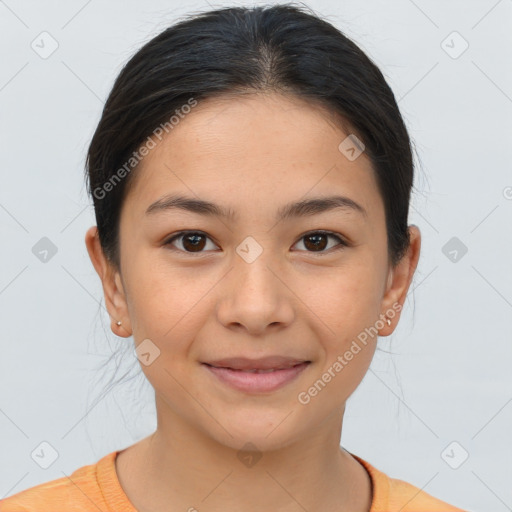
point(252, 154)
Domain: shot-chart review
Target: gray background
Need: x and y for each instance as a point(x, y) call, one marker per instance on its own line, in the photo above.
point(448, 378)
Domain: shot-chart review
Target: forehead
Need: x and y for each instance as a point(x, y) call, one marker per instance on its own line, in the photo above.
point(251, 151)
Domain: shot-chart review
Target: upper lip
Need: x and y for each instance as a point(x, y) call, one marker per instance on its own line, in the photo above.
point(264, 363)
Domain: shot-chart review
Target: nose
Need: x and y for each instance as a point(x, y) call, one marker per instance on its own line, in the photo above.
point(255, 298)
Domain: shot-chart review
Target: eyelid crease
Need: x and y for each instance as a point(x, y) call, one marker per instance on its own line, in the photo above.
point(343, 242)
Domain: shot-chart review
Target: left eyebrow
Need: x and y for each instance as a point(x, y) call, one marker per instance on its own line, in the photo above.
point(305, 208)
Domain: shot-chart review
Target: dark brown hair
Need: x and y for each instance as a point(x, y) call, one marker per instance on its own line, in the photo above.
point(281, 48)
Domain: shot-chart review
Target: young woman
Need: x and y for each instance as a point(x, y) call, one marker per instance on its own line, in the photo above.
point(251, 176)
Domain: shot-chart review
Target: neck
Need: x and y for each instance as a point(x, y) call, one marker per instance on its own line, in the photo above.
point(182, 466)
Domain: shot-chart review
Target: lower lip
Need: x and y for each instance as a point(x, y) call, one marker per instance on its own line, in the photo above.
point(257, 382)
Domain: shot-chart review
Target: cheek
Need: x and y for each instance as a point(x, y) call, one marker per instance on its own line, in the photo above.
point(167, 310)
point(157, 295)
point(346, 299)
point(348, 310)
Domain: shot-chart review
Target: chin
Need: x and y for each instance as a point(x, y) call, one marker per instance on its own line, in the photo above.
point(266, 432)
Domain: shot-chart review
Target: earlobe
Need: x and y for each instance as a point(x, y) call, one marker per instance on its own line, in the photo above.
point(121, 325)
point(115, 300)
point(399, 281)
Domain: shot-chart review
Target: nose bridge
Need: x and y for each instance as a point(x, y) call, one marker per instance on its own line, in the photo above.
point(254, 297)
point(252, 264)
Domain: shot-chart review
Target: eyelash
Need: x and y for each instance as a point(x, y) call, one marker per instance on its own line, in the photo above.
point(342, 243)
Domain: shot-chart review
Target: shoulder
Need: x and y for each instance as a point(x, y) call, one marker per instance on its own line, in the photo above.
point(406, 497)
point(393, 495)
point(78, 492)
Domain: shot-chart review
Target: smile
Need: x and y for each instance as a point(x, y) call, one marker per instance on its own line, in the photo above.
point(256, 380)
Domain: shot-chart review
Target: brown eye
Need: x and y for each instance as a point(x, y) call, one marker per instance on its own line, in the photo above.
point(191, 241)
point(194, 242)
point(317, 241)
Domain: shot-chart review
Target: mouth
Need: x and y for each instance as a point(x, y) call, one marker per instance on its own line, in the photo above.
point(268, 363)
point(257, 370)
point(257, 380)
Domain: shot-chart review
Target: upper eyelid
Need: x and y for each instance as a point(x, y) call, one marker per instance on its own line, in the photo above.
point(342, 239)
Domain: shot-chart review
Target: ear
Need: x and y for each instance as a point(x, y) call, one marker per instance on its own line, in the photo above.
point(113, 290)
point(399, 280)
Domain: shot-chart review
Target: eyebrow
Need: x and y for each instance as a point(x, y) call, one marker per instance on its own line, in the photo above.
point(305, 208)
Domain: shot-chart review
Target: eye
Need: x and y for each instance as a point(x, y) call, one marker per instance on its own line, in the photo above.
point(316, 240)
point(195, 241)
point(192, 241)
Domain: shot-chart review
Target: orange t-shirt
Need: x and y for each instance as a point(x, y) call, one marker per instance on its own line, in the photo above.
point(95, 487)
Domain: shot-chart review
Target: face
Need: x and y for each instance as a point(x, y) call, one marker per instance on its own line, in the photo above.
point(254, 284)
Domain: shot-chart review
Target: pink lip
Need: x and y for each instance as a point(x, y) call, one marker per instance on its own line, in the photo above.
point(256, 382)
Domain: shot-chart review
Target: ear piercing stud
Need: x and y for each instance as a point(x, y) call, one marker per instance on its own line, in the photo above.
point(387, 320)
